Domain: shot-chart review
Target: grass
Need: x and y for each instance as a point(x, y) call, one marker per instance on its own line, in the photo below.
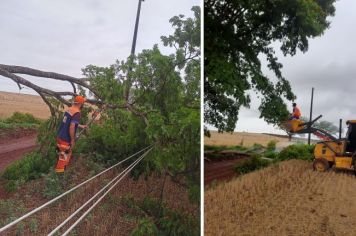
point(32, 166)
point(297, 151)
point(9, 210)
point(52, 185)
point(252, 164)
point(154, 219)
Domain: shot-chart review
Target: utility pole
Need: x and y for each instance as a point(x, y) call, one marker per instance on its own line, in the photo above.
point(133, 48)
point(311, 113)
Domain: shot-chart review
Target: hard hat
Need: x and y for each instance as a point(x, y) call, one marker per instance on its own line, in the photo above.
point(79, 99)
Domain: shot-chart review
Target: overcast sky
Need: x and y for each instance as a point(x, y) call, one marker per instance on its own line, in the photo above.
point(329, 66)
point(65, 36)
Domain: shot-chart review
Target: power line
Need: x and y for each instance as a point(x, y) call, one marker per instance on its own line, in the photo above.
point(92, 198)
point(67, 192)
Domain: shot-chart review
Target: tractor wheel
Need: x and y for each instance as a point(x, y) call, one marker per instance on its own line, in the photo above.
point(320, 164)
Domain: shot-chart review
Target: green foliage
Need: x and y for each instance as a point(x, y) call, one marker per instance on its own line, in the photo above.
point(93, 166)
point(12, 126)
point(34, 164)
point(29, 167)
point(220, 148)
point(120, 135)
point(175, 223)
point(297, 151)
point(20, 228)
point(252, 164)
point(33, 225)
point(145, 227)
point(161, 220)
point(194, 193)
point(271, 145)
point(10, 210)
point(256, 147)
point(237, 34)
point(18, 121)
point(53, 185)
point(165, 91)
point(270, 154)
point(21, 118)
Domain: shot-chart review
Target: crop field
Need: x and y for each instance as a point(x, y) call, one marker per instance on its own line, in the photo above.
point(12, 102)
point(288, 198)
point(240, 138)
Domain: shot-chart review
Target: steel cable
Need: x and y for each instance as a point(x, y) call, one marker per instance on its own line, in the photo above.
point(101, 198)
point(67, 192)
point(105, 187)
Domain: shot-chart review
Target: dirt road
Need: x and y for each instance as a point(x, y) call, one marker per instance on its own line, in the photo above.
point(284, 199)
point(13, 148)
point(221, 169)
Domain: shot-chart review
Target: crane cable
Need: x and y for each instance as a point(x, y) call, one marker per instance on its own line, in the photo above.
point(122, 175)
point(67, 192)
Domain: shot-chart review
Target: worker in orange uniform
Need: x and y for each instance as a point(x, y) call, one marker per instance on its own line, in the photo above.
point(66, 133)
point(296, 112)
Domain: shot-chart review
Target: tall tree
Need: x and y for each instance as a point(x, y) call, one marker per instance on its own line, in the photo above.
point(237, 35)
point(165, 93)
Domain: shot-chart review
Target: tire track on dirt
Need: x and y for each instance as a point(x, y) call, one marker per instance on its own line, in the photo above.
point(13, 149)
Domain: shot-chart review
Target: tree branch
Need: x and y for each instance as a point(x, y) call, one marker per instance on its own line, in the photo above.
point(45, 74)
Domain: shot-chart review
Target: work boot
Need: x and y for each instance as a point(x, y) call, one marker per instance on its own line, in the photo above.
point(63, 160)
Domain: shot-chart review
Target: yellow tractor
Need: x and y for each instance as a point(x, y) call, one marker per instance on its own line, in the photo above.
point(331, 151)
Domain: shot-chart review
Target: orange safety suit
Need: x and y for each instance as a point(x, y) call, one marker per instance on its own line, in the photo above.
point(296, 113)
point(64, 149)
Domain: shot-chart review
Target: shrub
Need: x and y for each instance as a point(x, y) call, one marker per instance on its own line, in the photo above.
point(32, 166)
point(53, 186)
point(212, 148)
point(220, 148)
point(17, 121)
point(251, 164)
point(159, 220)
point(145, 227)
point(110, 143)
point(37, 163)
point(297, 151)
point(20, 118)
point(256, 147)
point(270, 154)
point(271, 145)
point(176, 223)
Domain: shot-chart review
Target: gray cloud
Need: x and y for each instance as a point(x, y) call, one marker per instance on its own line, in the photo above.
point(328, 66)
point(65, 36)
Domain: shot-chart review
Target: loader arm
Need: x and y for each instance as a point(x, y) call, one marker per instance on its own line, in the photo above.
point(300, 127)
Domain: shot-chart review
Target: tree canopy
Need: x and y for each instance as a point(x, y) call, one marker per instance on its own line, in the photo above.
point(149, 98)
point(237, 35)
point(163, 106)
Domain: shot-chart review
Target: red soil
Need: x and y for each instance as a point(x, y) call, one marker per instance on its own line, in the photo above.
point(221, 169)
point(13, 146)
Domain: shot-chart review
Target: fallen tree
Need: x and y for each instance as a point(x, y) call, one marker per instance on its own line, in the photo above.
point(158, 101)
